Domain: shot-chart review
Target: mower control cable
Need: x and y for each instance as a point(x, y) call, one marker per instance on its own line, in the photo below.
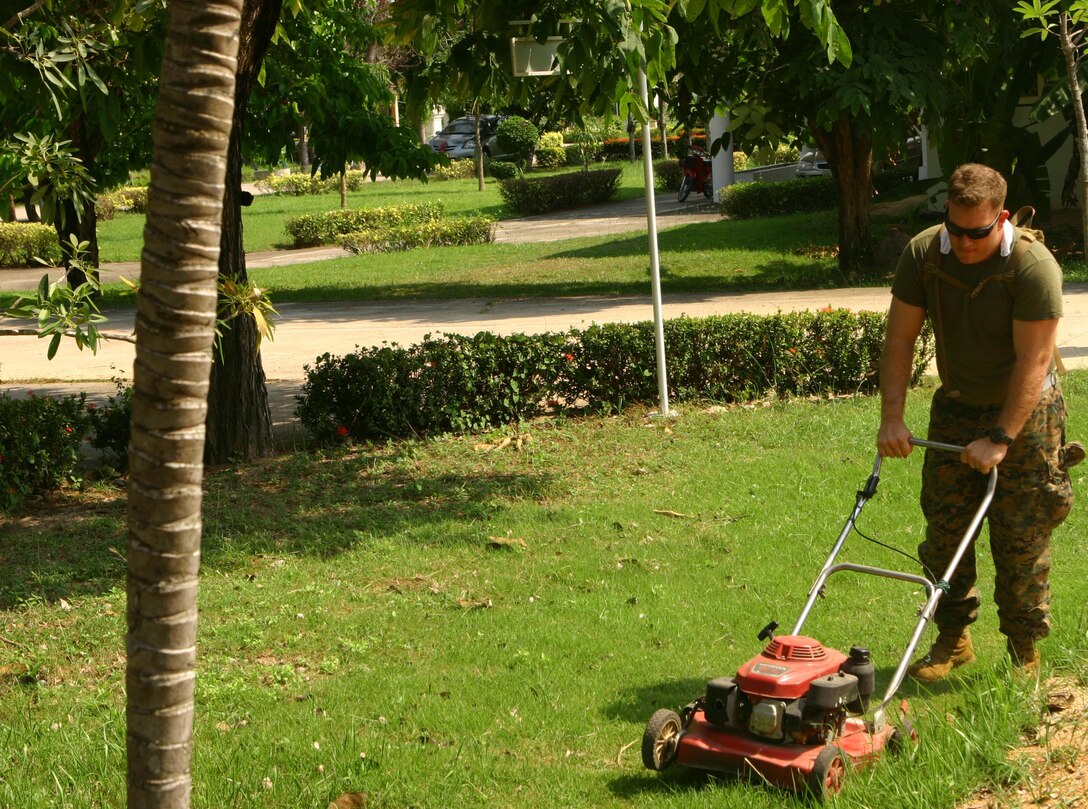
point(929, 573)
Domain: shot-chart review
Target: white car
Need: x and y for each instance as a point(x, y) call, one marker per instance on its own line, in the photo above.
point(458, 138)
point(813, 164)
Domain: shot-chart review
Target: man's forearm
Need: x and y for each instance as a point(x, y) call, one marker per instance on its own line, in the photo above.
point(896, 366)
point(1025, 387)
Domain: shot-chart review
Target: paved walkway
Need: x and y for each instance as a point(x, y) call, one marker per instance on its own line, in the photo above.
point(304, 331)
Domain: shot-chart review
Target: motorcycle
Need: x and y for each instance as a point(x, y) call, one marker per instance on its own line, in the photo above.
point(697, 175)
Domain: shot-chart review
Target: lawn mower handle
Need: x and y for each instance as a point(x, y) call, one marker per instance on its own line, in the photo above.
point(934, 590)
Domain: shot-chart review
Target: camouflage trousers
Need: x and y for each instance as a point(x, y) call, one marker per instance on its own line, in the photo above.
point(1032, 498)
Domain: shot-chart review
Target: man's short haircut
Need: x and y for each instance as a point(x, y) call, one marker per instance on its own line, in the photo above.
point(973, 185)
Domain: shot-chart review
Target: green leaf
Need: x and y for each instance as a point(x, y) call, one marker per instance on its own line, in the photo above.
point(54, 344)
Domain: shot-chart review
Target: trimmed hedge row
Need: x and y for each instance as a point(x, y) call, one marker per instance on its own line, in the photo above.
point(750, 200)
point(433, 233)
point(452, 383)
point(298, 184)
point(620, 148)
point(22, 242)
point(558, 192)
point(132, 199)
point(311, 230)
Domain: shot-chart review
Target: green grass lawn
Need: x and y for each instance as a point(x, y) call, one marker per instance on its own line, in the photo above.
point(121, 238)
point(762, 254)
point(437, 624)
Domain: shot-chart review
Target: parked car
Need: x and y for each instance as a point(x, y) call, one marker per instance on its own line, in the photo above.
point(458, 138)
point(814, 164)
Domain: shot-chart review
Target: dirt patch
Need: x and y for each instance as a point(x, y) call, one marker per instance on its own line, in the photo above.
point(1055, 752)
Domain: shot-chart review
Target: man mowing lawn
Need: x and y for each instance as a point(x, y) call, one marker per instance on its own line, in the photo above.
point(993, 293)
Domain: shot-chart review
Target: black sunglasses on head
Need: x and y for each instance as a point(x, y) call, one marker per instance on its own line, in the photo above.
point(971, 233)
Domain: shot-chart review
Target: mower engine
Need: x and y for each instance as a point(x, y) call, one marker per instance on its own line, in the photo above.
point(795, 691)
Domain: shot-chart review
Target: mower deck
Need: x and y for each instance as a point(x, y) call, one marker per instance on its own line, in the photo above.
point(705, 746)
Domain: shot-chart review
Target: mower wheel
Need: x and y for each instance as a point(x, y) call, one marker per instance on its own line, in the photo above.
point(828, 772)
point(660, 739)
point(903, 735)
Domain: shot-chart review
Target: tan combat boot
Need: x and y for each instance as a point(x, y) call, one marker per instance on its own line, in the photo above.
point(951, 649)
point(1025, 657)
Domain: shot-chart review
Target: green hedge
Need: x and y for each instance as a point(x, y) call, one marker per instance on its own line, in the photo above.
point(454, 170)
point(620, 148)
point(559, 192)
point(435, 233)
point(40, 439)
point(311, 230)
point(132, 199)
point(298, 184)
point(750, 200)
point(502, 169)
point(452, 383)
point(22, 242)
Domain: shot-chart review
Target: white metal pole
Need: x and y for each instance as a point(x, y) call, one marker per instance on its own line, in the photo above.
point(721, 165)
point(655, 263)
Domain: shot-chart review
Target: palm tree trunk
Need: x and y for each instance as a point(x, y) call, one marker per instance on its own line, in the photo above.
point(175, 324)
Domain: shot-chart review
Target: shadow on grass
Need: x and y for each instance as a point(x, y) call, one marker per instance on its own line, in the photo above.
point(67, 547)
point(639, 703)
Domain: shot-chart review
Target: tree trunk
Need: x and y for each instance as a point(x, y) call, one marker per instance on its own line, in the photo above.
point(303, 147)
point(344, 187)
point(175, 324)
point(479, 155)
point(1069, 51)
point(85, 228)
point(850, 155)
point(239, 419)
point(83, 224)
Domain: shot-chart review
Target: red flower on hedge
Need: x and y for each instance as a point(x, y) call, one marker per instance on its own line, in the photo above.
point(68, 429)
point(341, 431)
point(568, 357)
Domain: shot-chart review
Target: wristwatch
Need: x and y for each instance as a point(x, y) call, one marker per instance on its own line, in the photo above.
point(999, 436)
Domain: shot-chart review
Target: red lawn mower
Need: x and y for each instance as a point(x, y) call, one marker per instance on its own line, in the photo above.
point(797, 715)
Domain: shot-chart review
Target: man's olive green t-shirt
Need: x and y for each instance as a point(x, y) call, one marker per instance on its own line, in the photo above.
point(975, 351)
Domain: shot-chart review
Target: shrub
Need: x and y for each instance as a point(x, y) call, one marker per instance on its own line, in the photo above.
point(310, 230)
point(294, 184)
point(105, 207)
point(517, 137)
point(620, 148)
point(39, 445)
point(559, 192)
point(749, 200)
point(435, 233)
point(443, 384)
point(454, 170)
point(886, 180)
point(110, 426)
point(502, 170)
point(550, 153)
point(22, 242)
point(667, 175)
point(353, 178)
point(456, 383)
point(131, 199)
